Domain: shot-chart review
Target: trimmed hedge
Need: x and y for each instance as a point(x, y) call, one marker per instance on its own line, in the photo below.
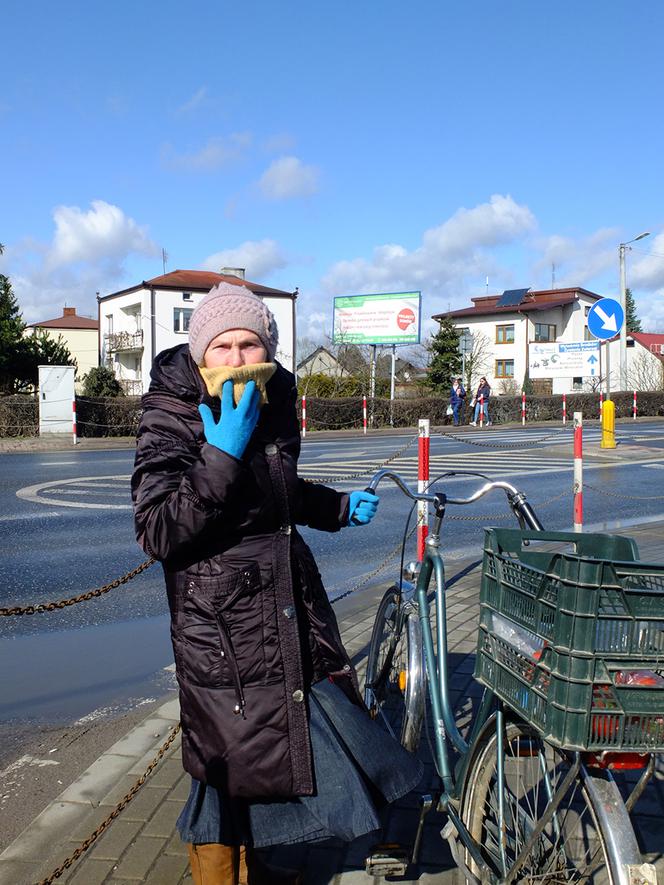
point(19, 416)
point(108, 416)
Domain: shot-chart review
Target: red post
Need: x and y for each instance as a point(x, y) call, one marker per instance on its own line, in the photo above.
point(523, 407)
point(423, 445)
point(578, 471)
point(73, 421)
point(481, 410)
point(364, 413)
point(634, 407)
point(564, 408)
point(601, 400)
point(304, 416)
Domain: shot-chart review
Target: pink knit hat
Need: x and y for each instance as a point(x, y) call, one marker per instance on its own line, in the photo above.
point(231, 307)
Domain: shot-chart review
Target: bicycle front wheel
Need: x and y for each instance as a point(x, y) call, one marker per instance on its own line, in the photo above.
point(571, 846)
point(395, 681)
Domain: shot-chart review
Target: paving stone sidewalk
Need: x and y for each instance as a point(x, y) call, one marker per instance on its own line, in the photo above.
point(142, 846)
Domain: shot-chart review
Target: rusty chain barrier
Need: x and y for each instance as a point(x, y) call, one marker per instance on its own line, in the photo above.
point(84, 597)
point(373, 469)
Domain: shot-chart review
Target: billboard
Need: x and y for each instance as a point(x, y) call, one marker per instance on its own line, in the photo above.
point(391, 318)
point(571, 359)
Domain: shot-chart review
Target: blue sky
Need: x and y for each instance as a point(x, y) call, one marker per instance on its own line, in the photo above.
point(339, 147)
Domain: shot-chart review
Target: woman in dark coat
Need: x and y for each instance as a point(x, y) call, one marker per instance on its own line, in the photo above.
point(274, 732)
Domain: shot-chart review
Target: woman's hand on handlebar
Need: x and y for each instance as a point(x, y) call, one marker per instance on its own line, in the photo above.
point(362, 508)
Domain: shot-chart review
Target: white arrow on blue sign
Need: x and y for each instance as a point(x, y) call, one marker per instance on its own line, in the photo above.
point(605, 318)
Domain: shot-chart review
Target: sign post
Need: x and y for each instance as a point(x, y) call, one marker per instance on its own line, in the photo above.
point(605, 319)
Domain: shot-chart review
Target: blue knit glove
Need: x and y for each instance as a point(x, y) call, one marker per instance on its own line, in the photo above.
point(362, 508)
point(236, 425)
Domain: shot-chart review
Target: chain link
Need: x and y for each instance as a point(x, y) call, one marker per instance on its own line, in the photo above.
point(84, 597)
point(587, 485)
point(490, 445)
point(368, 470)
point(365, 580)
point(122, 804)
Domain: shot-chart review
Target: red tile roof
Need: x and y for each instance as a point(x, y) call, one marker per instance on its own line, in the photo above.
point(650, 340)
point(541, 300)
point(68, 320)
point(201, 281)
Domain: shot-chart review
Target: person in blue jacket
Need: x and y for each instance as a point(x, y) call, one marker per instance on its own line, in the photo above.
point(457, 396)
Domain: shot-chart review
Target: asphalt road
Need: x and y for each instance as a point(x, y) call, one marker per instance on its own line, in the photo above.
point(73, 679)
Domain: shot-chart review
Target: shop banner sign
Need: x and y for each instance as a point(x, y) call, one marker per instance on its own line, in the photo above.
point(572, 359)
point(391, 318)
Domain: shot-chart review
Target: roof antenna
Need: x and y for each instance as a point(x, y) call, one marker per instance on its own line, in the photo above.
point(553, 275)
point(487, 285)
point(164, 256)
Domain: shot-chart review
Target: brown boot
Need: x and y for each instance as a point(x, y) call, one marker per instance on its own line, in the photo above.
point(258, 873)
point(214, 864)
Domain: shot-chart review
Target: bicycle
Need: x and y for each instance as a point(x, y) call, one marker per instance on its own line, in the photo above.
point(531, 796)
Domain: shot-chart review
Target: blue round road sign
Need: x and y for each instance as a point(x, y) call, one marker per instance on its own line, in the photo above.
point(605, 318)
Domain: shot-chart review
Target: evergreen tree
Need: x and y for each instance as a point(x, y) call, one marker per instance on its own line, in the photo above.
point(633, 323)
point(101, 381)
point(20, 355)
point(444, 357)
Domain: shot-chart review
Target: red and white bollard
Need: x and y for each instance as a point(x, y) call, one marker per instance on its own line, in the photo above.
point(634, 407)
point(601, 403)
point(423, 445)
point(481, 410)
point(364, 413)
point(564, 408)
point(73, 421)
point(304, 416)
point(578, 471)
point(523, 408)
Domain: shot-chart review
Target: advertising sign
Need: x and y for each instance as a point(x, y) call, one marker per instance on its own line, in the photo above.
point(392, 318)
point(572, 359)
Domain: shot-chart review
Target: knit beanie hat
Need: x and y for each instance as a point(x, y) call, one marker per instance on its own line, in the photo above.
point(225, 307)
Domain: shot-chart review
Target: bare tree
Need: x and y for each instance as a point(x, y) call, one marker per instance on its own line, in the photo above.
point(646, 372)
point(478, 361)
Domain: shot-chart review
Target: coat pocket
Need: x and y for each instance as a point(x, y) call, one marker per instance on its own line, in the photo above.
point(217, 634)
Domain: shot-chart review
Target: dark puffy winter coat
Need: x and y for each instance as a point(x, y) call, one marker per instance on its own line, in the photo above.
point(251, 624)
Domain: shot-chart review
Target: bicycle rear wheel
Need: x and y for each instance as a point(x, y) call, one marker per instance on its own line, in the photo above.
point(395, 688)
point(571, 847)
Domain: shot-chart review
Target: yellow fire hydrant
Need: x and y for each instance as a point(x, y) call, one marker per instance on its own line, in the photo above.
point(608, 425)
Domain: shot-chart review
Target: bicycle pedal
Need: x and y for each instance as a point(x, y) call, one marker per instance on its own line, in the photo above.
point(387, 860)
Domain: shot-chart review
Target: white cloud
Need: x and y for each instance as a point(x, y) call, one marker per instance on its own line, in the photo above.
point(450, 253)
point(194, 102)
point(103, 232)
point(279, 143)
point(259, 258)
point(87, 254)
point(577, 262)
point(216, 153)
point(647, 271)
point(288, 178)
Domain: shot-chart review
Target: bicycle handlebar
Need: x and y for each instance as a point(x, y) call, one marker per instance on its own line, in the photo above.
point(517, 500)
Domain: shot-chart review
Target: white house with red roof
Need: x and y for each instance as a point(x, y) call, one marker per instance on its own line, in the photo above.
point(505, 326)
point(136, 324)
point(645, 361)
point(79, 334)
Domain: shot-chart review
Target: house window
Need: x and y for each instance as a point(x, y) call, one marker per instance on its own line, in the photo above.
point(577, 383)
point(545, 332)
point(505, 334)
point(109, 323)
point(186, 296)
point(588, 335)
point(504, 369)
point(181, 317)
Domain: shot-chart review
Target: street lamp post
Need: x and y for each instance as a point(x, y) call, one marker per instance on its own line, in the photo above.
point(623, 304)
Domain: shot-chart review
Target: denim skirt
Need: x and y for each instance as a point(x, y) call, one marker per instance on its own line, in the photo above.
point(359, 769)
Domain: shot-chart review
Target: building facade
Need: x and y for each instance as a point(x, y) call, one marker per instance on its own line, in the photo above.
point(80, 335)
point(136, 324)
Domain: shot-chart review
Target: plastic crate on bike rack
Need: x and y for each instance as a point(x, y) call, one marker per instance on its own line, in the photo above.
point(572, 637)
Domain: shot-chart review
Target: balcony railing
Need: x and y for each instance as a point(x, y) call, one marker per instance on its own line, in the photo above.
point(124, 341)
point(132, 388)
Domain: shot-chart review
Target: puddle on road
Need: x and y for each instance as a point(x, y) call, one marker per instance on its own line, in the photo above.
point(98, 671)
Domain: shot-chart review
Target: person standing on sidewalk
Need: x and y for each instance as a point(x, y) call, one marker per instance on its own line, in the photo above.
point(274, 731)
point(457, 396)
point(481, 401)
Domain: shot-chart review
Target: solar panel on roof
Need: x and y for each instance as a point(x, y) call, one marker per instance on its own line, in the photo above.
point(512, 297)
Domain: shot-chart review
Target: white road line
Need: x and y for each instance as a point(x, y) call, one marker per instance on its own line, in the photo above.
point(32, 493)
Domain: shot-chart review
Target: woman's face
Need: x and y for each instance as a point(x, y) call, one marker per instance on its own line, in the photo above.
point(235, 348)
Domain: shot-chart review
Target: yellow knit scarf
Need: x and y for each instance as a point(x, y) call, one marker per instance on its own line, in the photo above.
point(258, 372)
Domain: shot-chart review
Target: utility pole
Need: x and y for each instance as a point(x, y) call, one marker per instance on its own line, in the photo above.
point(623, 304)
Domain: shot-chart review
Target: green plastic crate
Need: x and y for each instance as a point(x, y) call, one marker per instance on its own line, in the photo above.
point(591, 610)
